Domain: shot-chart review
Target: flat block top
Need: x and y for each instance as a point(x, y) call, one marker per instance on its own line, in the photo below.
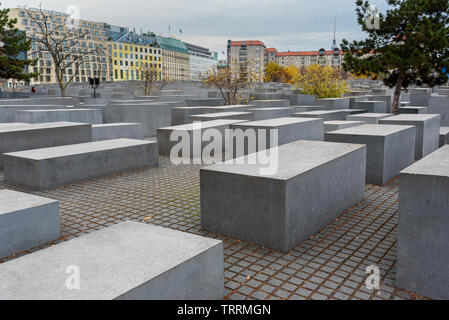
point(318, 112)
point(30, 105)
point(412, 117)
point(256, 101)
point(111, 262)
point(371, 130)
point(189, 108)
point(413, 108)
point(39, 126)
point(56, 110)
point(332, 99)
point(272, 123)
point(12, 201)
point(203, 125)
point(293, 159)
point(444, 130)
point(221, 114)
point(270, 109)
point(339, 123)
point(371, 115)
point(80, 148)
point(118, 124)
point(435, 164)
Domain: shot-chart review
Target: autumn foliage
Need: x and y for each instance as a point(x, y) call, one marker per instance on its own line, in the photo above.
point(276, 73)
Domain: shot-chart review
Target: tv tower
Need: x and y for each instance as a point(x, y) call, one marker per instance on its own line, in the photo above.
point(334, 43)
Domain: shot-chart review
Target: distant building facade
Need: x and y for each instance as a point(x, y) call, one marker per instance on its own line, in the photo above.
point(304, 59)
point(249, 56)
point(175, 59)
point(201, 60)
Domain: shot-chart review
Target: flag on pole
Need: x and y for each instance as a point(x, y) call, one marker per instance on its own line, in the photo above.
point(180, 31)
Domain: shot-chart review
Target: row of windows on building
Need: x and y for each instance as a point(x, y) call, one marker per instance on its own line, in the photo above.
point(132, 75)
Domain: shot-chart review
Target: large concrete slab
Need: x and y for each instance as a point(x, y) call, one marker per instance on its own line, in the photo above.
point(206, 102)
point(128, 261)
point(288, 130)
point(338, 125)
point(427, 131)
point(271, 103)
point(181, 115)
point(223, 116)
point(334, 103)
point(369, 118)
point(33, 136)
point(280, 208)
point(42, 169)
point(444, 136)
point(310, 108)
point(423, 227)
point(270, 113)
point(92, 116)
point(371, 106)
point(196, 148)
point(26, 221)
point(413, 110)
point(325, 115)
point(8, 112)
point(109, 131)
point(389, 148)
point(440, 105)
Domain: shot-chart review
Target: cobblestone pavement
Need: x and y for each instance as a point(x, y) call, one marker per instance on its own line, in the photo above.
point(329, 265)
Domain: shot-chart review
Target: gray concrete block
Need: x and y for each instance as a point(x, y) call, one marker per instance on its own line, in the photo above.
point(111, 131)
point(413, 110)
point(389, 148)
point(305, 108)
point(33, 136)
point(371, 106)
point(440, 105)
point(128, 261)
point(206, 102)
point(444, 136)
point(26, 221)
point(166, 145)
point(92, 116)
point(325, 115)
point(181, 115)
point(288, 130)
point(47, 168)
point(334, 103)
point(300, 99)
point(369, 118)
point(8, 112)
point(249, 116)
point(423, 227)
point(388, 99)
point(282, 209)
point(427, 131)
point(338, 125)
point(420, 97)
point(270, 103)
point(270, 113)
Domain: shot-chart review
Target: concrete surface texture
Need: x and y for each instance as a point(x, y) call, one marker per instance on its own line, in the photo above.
point(427, 131)
point(369, 118)
point(338, 125)
point(270, 113)
point(42, 169)
point(423, 227)
point(111, 131)
point(335, 103)
point(26, 221)
point(92, 116)
point(126, 261)
point(326, 115)
point(278, 211)
point(444, 136)
point(389, 148)
point(223, 115)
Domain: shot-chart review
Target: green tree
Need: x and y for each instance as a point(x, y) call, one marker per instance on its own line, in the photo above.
point(408, 44)
point(13, 50)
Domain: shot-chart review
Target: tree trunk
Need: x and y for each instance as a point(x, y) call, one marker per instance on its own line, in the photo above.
point(397, 94)
point(62, 91)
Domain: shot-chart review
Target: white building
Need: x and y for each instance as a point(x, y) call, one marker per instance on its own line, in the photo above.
point(201, 60)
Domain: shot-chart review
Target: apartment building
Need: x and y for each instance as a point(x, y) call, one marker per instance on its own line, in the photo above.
point(201, 60)
point(175, 59)
point(94, 41)
point(303, 59)
point(249, 56)
point(133, 54)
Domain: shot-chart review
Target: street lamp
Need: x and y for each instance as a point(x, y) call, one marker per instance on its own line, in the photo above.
point(95, 83)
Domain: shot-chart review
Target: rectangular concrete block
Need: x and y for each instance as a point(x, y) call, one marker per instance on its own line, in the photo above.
point(8, 112)
point(371, 106)
point(440, 105)
point(128, 261)
point(166, 145)
point(389, 148)
point(305, 108)
point(413, 110)
point(26, 221)
point(444, 136)
point(338, 125)
point(34, 136)
point(206, 102)
point(249, 116)
point(282, 209)
point(111, 131)
point(427, 131)
point(325, 115)
point(181, 115)
point(270, 103)
point(270, 113)
point(423, 227)
point(369, 118)
point(92, 116)
point(334, 103)
point(288, 130)
point(42, 169)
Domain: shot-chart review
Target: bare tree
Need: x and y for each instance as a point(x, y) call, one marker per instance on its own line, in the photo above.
point(151, 78)
point(61, 37)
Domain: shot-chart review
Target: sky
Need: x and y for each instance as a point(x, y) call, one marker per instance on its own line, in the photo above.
point(295, 25)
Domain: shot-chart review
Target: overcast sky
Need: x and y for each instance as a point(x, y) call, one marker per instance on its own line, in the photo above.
point(284, 24)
